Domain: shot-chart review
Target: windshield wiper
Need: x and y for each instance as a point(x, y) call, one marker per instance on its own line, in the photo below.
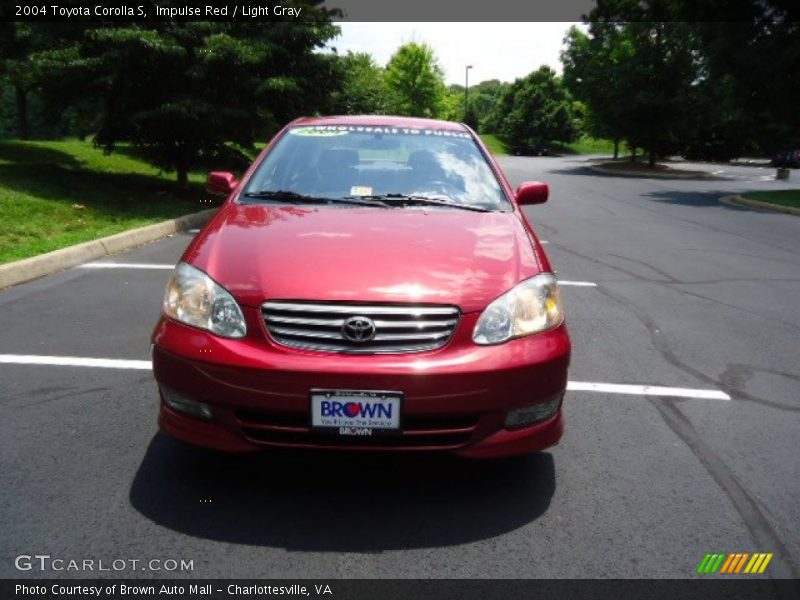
point(411, 199)
point(297, 198)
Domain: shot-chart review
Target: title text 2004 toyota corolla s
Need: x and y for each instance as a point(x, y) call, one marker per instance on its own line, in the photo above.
point(372, 284)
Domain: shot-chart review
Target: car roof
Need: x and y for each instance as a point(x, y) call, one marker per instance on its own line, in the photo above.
point(381, 121)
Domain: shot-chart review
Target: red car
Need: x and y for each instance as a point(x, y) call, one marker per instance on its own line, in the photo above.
point(371, 283)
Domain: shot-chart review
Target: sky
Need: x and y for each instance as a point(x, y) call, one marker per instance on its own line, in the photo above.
point(502, 51)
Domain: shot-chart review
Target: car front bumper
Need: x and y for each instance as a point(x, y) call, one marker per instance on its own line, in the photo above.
point(455, 399)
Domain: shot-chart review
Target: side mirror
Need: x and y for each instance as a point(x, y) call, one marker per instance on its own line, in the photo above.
point(221, 183)
point(532, 192)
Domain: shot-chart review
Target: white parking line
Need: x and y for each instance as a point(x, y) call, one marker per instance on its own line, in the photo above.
point(577, 283)
point(75, 361)
point(110, 265)
point(645, 390)
point(573, 386)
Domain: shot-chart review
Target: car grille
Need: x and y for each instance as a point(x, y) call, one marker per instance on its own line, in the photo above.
point(398, 328)
point(423, 432)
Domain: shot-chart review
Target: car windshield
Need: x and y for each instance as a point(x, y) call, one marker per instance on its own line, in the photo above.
point(348, 161)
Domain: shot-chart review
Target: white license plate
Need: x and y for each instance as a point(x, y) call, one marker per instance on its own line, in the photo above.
point(356, 412)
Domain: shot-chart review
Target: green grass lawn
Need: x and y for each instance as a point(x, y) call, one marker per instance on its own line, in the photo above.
point(55, 194)
point(495, 145)
point(779, 197)
point(585, 145)
point(590, 145)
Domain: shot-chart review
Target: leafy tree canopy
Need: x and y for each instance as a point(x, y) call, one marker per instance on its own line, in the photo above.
point(415, 82)
point(669, 76)
point(363, 89)
point(180, 91)
point(536, 109)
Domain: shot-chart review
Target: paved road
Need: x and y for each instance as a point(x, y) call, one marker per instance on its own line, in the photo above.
point(690, 294)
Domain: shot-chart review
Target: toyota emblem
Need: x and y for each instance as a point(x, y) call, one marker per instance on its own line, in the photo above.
point(358, 329)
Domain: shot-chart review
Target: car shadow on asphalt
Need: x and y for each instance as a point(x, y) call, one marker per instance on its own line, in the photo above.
point(587, 170)
point(357, 502)
point(697, 199)
point(577, 170)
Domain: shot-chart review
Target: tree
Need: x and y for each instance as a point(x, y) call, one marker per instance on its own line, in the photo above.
point(670, 76)
point(483, 97)
point(470, 117)
point(454, 107)
point(416, 82)
point(181, 91)
point(21, 70)
point(363, 90)
point(635, 71)
point(536, 110)
point(17, 42)
point(489, 97)
point(719, 127)
point(660, 73)
point(453, 104)
point(594, 73)
point(752, 57)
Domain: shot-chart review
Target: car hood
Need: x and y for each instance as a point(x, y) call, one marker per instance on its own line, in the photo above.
point(443, 256)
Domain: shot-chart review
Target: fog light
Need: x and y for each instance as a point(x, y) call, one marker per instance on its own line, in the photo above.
point(182, 404)
point(533, 413)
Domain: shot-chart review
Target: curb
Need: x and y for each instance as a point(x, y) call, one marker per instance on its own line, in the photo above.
point(28, 269)
point(657, 175)
point(741, 201)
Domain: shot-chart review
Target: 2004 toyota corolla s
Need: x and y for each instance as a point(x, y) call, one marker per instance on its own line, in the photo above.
point(370, 284)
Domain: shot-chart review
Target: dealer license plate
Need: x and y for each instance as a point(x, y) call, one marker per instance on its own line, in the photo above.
point(356, 412)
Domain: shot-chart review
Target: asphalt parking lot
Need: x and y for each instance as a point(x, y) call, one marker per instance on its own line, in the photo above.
point(669, 288)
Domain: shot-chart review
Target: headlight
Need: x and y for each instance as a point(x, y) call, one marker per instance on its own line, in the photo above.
point(192, 297)
point(531, 307)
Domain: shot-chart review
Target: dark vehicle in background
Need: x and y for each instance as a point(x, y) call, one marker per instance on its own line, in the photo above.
point(786, 158)
point(532, 149)
point(712, 149)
